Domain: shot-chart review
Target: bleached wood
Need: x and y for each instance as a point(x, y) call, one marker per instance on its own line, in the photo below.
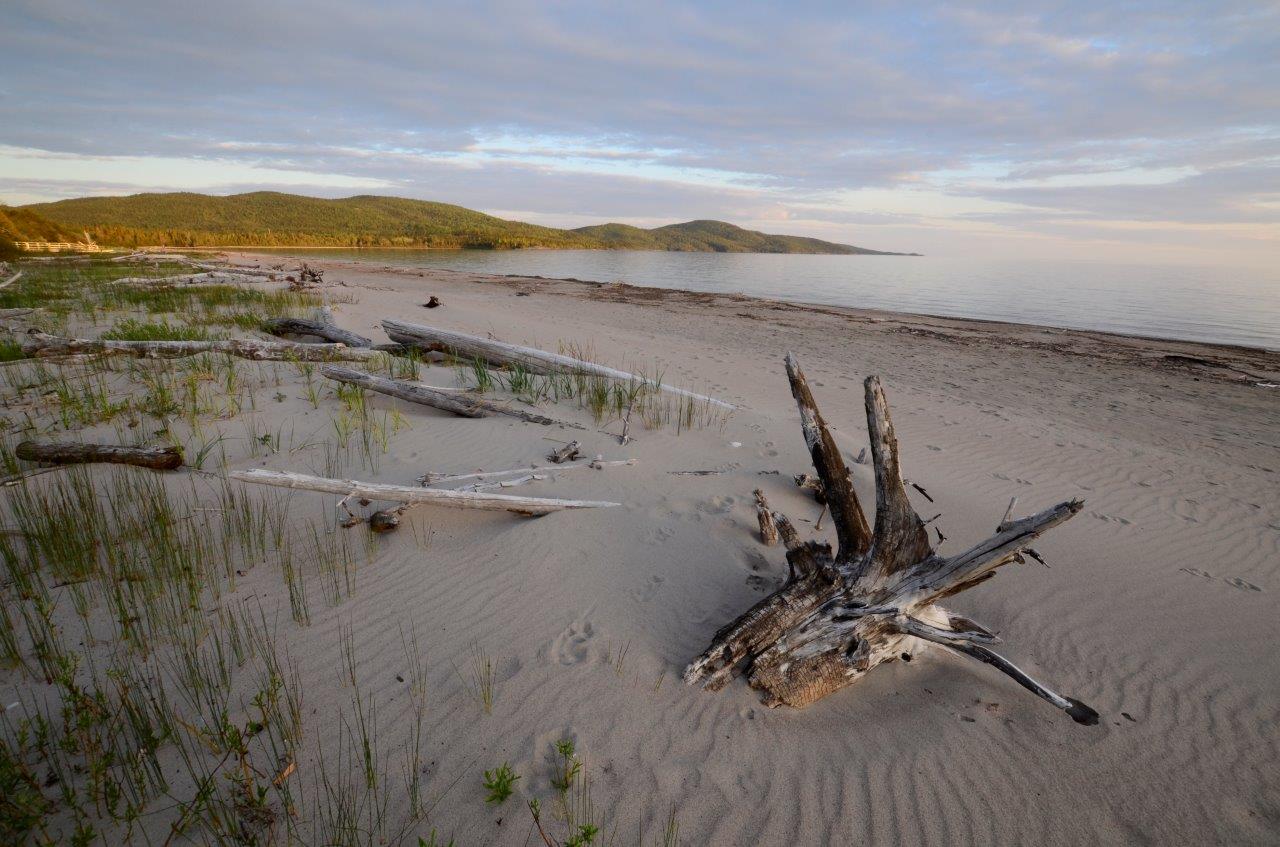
point(320, 329)
point(416, 392)
point(415, 494)
point(839, 616)
point(11, 280)
point(41, 345)
point(530, 358)
point(595, 464)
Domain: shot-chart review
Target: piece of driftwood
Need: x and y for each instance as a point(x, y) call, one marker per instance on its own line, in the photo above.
point(325, 330)
point(415, 494)
point(530, 358)
point(598, 463)
point(11, 280)
point(809, 482)
point(842, 613)
point(449, 401)
point(42, 345)
point(565, 453)
point(72, 453)
point(764, 515)
point(189, 279)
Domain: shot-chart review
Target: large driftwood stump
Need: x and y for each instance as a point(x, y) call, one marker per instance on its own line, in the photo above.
point(840, 614)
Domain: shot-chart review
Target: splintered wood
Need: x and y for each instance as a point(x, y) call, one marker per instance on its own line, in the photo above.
point(843, 612)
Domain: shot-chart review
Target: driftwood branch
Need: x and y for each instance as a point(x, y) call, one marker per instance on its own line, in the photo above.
point(70, 453)
point(449, 401)
point(41, 345)
point(532, 359)
point(415, 494)
point(325, 330)
point(839, 616)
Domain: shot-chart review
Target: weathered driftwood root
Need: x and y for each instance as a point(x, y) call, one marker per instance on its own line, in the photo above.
point(70, 453)
point(327, 331)
point(565, 453)
point(415, 494)
point(42, 345)
point(532, 359)
point(841, 614)
point(768, 526)
point(449, 401)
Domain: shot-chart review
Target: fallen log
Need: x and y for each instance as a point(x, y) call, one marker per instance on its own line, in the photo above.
point(537, 361)
point(841, 614)
point(325, 330)
point(71, 453)
point(42, 345)
point(448, 401)
point(188, 279)
point(415, 494)
point(11, 280)
point(598, 463)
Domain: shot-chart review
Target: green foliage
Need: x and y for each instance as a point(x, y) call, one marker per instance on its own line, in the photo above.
point(134, 330)
point(27, 225)
point(709, 237)
point(266, 219)
point(272, 219)
point(500, 782)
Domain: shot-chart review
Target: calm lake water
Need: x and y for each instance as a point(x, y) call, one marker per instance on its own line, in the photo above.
point(1223, 305)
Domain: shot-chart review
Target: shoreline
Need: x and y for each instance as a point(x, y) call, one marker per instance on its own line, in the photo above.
point(1219, 360)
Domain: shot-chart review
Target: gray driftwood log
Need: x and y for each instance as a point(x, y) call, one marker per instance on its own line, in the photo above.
point(42, 345)
point(71, 453)
point(415, 494)
point(327, 331)
point(532, 359)
point(449, 401)
point(842, 613)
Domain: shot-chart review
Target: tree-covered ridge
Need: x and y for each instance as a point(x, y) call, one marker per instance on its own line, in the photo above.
point(273, 219)
point(22, 224)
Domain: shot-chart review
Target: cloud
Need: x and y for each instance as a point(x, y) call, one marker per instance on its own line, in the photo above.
point(663, 111)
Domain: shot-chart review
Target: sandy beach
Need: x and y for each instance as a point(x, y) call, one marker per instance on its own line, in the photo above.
point(1157, 605)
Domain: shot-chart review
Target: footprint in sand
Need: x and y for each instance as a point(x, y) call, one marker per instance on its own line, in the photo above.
point(650, 588)
point(570, 646)
point(1111, 518)
point(1233, 581)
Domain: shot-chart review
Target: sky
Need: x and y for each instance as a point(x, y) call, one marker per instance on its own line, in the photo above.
point(1145, 131)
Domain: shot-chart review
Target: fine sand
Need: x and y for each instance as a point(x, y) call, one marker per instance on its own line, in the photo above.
point(1158, 606)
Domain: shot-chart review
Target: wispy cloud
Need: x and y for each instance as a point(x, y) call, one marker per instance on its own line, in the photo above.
point(1024, 124)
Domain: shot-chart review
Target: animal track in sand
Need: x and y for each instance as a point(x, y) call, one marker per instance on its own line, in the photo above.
point(1233, 581)
point(1111, 518)
point(1018, 480)
point(650, 588)
point(571, 646)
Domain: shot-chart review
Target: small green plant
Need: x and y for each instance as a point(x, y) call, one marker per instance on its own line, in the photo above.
point(134, 330)
point(480, 681)
point(500, 782)
point(569, 766)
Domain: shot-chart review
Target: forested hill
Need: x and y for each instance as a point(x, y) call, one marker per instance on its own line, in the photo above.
point(271, 219)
